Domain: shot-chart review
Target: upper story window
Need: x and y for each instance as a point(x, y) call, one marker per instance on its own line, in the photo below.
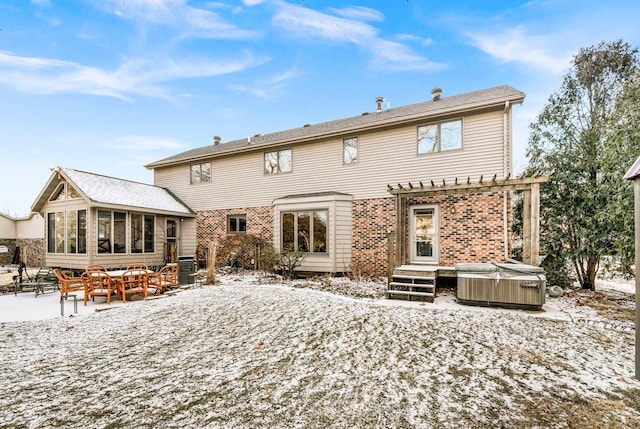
point(237, 224)
point(278, 161)
point(440, 137)
point(201, 172)
point(350, 150)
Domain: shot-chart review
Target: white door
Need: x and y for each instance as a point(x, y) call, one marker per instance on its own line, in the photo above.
point(424, 234)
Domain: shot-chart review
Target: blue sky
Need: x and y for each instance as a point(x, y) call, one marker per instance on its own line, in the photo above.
point(108, 86)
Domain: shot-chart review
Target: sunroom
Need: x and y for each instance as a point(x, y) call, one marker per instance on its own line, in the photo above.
point(94, 219)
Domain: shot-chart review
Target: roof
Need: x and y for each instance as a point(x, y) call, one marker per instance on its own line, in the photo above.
point(634, 171)
point(447, 105)
point(105, 191)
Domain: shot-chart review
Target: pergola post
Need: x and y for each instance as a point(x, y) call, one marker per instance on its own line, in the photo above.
point(535, 224)
point(526, 227)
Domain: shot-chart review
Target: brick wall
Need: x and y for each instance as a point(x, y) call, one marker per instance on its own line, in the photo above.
point(471, 226)
point(372, 221)
point(471, 229)
point(212, 225)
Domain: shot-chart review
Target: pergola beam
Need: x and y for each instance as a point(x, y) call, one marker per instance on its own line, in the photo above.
point(459, 188)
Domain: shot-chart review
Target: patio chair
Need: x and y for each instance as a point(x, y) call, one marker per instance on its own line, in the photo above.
point(43, 278)
point(165, 279)
point(96, 267)
point(138, 266)
point(67, 284)
point(133, 281)
point(98, 283)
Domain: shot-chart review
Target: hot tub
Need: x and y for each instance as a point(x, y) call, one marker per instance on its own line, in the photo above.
point(504, 285)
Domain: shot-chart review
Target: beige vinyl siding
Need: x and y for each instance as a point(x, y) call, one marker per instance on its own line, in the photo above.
point(187, 237)
point(386, 157)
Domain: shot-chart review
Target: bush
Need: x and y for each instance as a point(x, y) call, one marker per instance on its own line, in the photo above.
point(241, 251)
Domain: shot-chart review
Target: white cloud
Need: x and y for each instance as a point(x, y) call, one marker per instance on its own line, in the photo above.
point(423, 41)
point(187, 20)
point(359, 13)
point(303, 22)
point(514, 45)
point(132, 78)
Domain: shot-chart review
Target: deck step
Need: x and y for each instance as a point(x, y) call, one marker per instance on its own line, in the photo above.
point(408, 277)
point(410, 292)
point(393, 285)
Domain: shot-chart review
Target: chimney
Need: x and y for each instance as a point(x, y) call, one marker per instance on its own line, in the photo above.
point(216, 140)
point(436, 93)
point(379, 101)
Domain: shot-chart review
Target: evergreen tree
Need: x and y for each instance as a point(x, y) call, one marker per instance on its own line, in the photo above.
point(585, 138)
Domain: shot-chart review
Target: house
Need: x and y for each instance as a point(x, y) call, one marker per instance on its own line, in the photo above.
point(94, 219)
point(425, 184)
point(22, 239)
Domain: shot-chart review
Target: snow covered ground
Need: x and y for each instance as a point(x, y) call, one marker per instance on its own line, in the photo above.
point(256, 351)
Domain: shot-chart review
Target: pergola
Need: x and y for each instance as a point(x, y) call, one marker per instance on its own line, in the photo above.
point(531, 209)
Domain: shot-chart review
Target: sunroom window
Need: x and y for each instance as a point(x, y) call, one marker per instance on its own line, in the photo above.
point(142, 233)
point(67, 232)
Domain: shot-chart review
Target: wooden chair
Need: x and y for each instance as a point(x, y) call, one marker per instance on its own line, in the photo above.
point(133, 281)
point(67, 284)
point(96, 267)
point(98, 283)
point(166, 278)
point(138, 266)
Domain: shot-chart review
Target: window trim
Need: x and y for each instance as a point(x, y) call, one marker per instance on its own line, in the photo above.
point(438, 142)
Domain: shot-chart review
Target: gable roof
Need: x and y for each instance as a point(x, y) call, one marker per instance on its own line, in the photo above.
point(110, 192)
point(457, 104)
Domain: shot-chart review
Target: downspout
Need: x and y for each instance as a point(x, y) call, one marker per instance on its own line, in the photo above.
point(507, 169)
